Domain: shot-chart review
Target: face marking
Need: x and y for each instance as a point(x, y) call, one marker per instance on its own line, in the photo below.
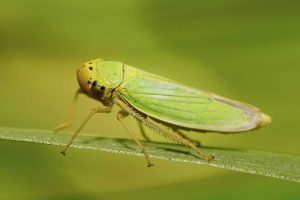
point(89, 79)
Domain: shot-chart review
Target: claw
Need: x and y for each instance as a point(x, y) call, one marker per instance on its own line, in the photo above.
point(60, 127)
point(63, 152)
point(150, 165)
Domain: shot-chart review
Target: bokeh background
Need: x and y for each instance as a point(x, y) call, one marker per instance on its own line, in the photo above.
point(246, 50)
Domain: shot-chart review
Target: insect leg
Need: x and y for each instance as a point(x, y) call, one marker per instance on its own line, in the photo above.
point(121, 115)
point(100, 109)
point(198, 150)
point(143, 131)
point(195, 142)
point(178, 138)
point(71, 114)
point(163, 132)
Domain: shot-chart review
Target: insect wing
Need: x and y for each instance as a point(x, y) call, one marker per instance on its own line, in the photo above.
point(187, 107)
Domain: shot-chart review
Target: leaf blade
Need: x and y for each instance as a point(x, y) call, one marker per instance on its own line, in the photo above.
point(276, 165)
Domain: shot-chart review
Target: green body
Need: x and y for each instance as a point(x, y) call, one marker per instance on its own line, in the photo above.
point(171, 102)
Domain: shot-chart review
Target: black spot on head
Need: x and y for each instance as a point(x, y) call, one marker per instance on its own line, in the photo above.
point(102, 88)
point(89, 82)
point(94, 83)
point(91, 68)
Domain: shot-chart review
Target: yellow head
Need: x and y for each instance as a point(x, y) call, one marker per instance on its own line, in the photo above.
point(97, 78)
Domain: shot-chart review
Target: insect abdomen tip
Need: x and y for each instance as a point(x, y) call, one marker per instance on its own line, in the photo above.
point(264, 120)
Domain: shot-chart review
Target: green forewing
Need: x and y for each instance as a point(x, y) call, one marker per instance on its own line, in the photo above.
point(183, 106)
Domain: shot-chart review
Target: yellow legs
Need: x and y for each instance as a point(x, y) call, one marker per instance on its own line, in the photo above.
point(195, 142)
point(121, 115)
point(176, 138)
point(100, 109)
point(71, 114)
point(179, 137)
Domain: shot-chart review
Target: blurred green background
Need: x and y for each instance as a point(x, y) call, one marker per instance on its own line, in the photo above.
point(246, 50)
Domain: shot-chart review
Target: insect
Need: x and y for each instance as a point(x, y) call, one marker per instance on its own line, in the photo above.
point(165, 106)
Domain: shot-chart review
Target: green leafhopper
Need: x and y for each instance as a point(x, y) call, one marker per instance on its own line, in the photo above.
point(165, 106)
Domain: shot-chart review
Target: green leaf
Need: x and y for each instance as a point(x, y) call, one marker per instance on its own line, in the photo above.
point(277, 165)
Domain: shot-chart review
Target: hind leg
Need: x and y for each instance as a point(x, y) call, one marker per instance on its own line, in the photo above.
point(195, 142)
point(165, 133)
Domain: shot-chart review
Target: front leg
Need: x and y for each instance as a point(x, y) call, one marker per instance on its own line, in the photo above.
point(100, 109)
point(71, 114)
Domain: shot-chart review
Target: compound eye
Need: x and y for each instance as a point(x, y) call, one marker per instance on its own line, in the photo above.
point(95, 83)
point(97, 87)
